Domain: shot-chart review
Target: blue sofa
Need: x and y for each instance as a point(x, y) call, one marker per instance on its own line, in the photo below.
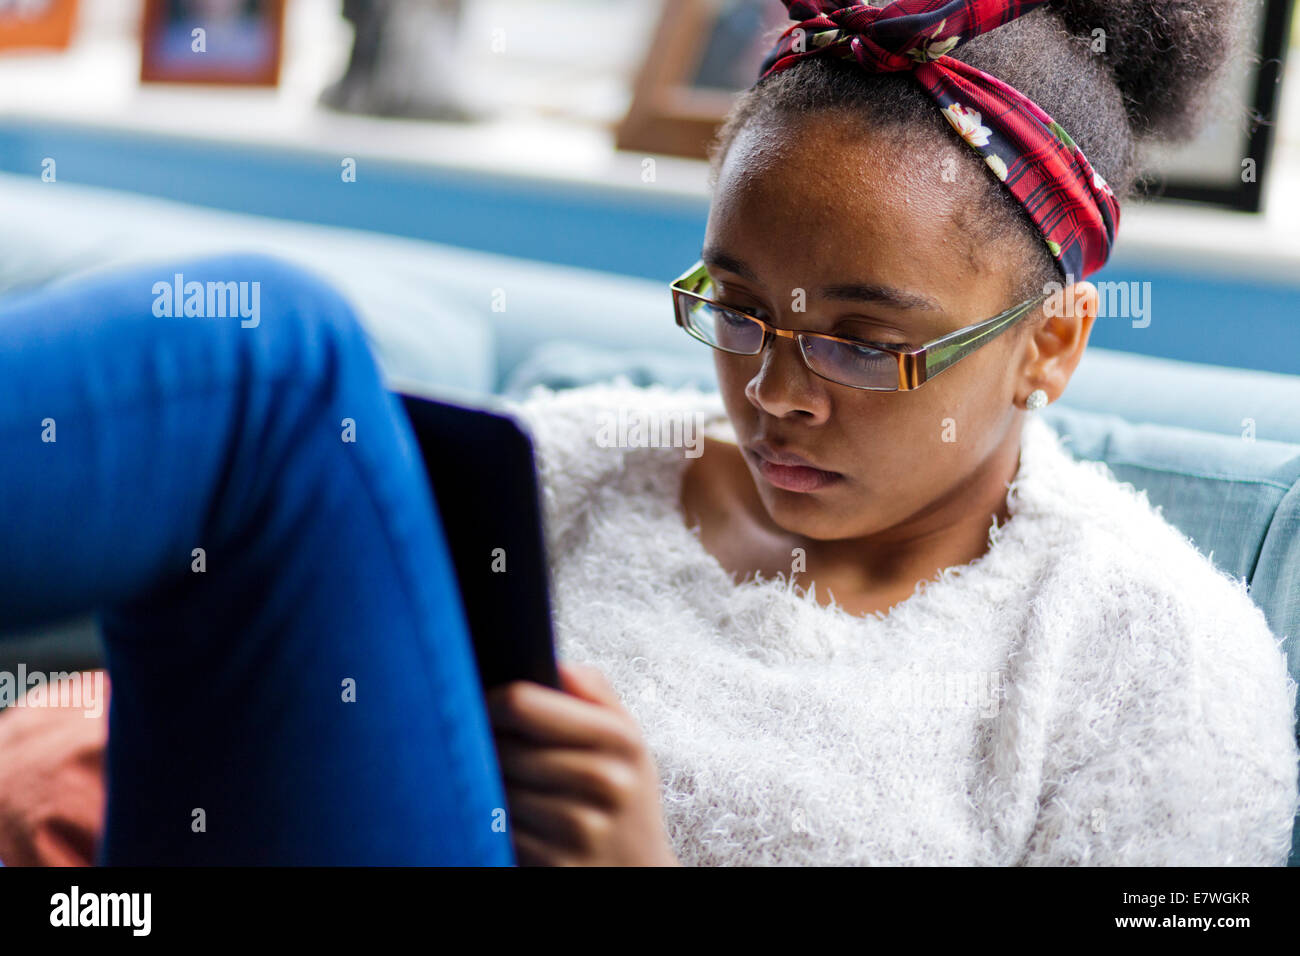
point(1216, 449)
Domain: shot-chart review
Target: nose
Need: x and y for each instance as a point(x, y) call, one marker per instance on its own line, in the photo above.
point(784, 385)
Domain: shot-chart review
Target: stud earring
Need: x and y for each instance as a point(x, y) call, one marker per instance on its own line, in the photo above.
point(1036, 400)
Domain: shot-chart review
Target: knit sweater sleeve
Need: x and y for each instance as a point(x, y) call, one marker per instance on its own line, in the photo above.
point(1182, 747)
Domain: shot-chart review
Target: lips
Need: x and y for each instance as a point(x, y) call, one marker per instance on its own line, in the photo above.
point(779, 455)
point(789, 470)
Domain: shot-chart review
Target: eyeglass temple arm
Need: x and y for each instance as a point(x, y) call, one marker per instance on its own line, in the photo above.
point(692, 280)
point(951, 348)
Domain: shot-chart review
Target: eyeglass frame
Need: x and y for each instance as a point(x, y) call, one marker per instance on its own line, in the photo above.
point(915, 366)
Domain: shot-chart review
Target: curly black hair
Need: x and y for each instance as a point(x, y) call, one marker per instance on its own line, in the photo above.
point(1146, 76)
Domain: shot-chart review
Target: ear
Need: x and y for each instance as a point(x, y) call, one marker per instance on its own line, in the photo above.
point(1056, 344)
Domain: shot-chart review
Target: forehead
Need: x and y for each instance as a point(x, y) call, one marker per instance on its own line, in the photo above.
point(825, 200)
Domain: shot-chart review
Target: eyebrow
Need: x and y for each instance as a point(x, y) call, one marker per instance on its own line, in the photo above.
point(843, 292)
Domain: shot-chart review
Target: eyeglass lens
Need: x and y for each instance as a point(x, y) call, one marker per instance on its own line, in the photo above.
point(857, 366)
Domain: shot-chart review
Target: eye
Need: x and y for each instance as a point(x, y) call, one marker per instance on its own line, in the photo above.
point(735, 321)
point(860, 340)
point(749, 310)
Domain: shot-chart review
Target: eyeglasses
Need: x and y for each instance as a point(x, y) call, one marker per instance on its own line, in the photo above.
point(845, 361)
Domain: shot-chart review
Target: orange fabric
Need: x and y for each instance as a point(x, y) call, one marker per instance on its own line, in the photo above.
point(52, 783)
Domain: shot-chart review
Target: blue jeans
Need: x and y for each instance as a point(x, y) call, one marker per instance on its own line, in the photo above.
point(242, 502)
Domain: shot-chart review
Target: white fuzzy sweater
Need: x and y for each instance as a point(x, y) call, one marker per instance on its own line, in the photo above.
point(1090, 691)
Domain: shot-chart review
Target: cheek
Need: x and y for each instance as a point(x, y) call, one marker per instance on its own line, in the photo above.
point(959, 420)
point(915, 444)
point(733, 373)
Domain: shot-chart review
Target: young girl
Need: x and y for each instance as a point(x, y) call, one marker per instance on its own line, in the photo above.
point(885, 618)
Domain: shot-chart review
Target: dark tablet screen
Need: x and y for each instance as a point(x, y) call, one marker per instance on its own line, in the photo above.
point(480, 464)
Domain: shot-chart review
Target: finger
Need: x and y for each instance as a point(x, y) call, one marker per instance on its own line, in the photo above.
point(588, 683)
point(561, 821)
point(548, 716)
point(534, 851)
point(581, 773)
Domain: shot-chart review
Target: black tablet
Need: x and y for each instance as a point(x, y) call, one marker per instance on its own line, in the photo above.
point(481, 468)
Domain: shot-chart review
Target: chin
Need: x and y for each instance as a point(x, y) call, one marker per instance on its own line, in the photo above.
point(827, 527)
point(802, 513)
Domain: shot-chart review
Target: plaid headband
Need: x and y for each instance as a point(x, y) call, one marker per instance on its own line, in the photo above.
point(1073, 207)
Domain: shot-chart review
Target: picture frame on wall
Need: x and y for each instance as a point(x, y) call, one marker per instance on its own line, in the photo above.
point(228, 42)
point(37, 24)
point(702, 54)
point(706, 51)
point(1227, 163)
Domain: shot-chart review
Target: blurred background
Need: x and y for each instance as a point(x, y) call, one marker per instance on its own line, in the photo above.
point(541, 133)
point(505, 188)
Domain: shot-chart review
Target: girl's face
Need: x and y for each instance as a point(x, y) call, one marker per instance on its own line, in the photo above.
point(868, 235)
